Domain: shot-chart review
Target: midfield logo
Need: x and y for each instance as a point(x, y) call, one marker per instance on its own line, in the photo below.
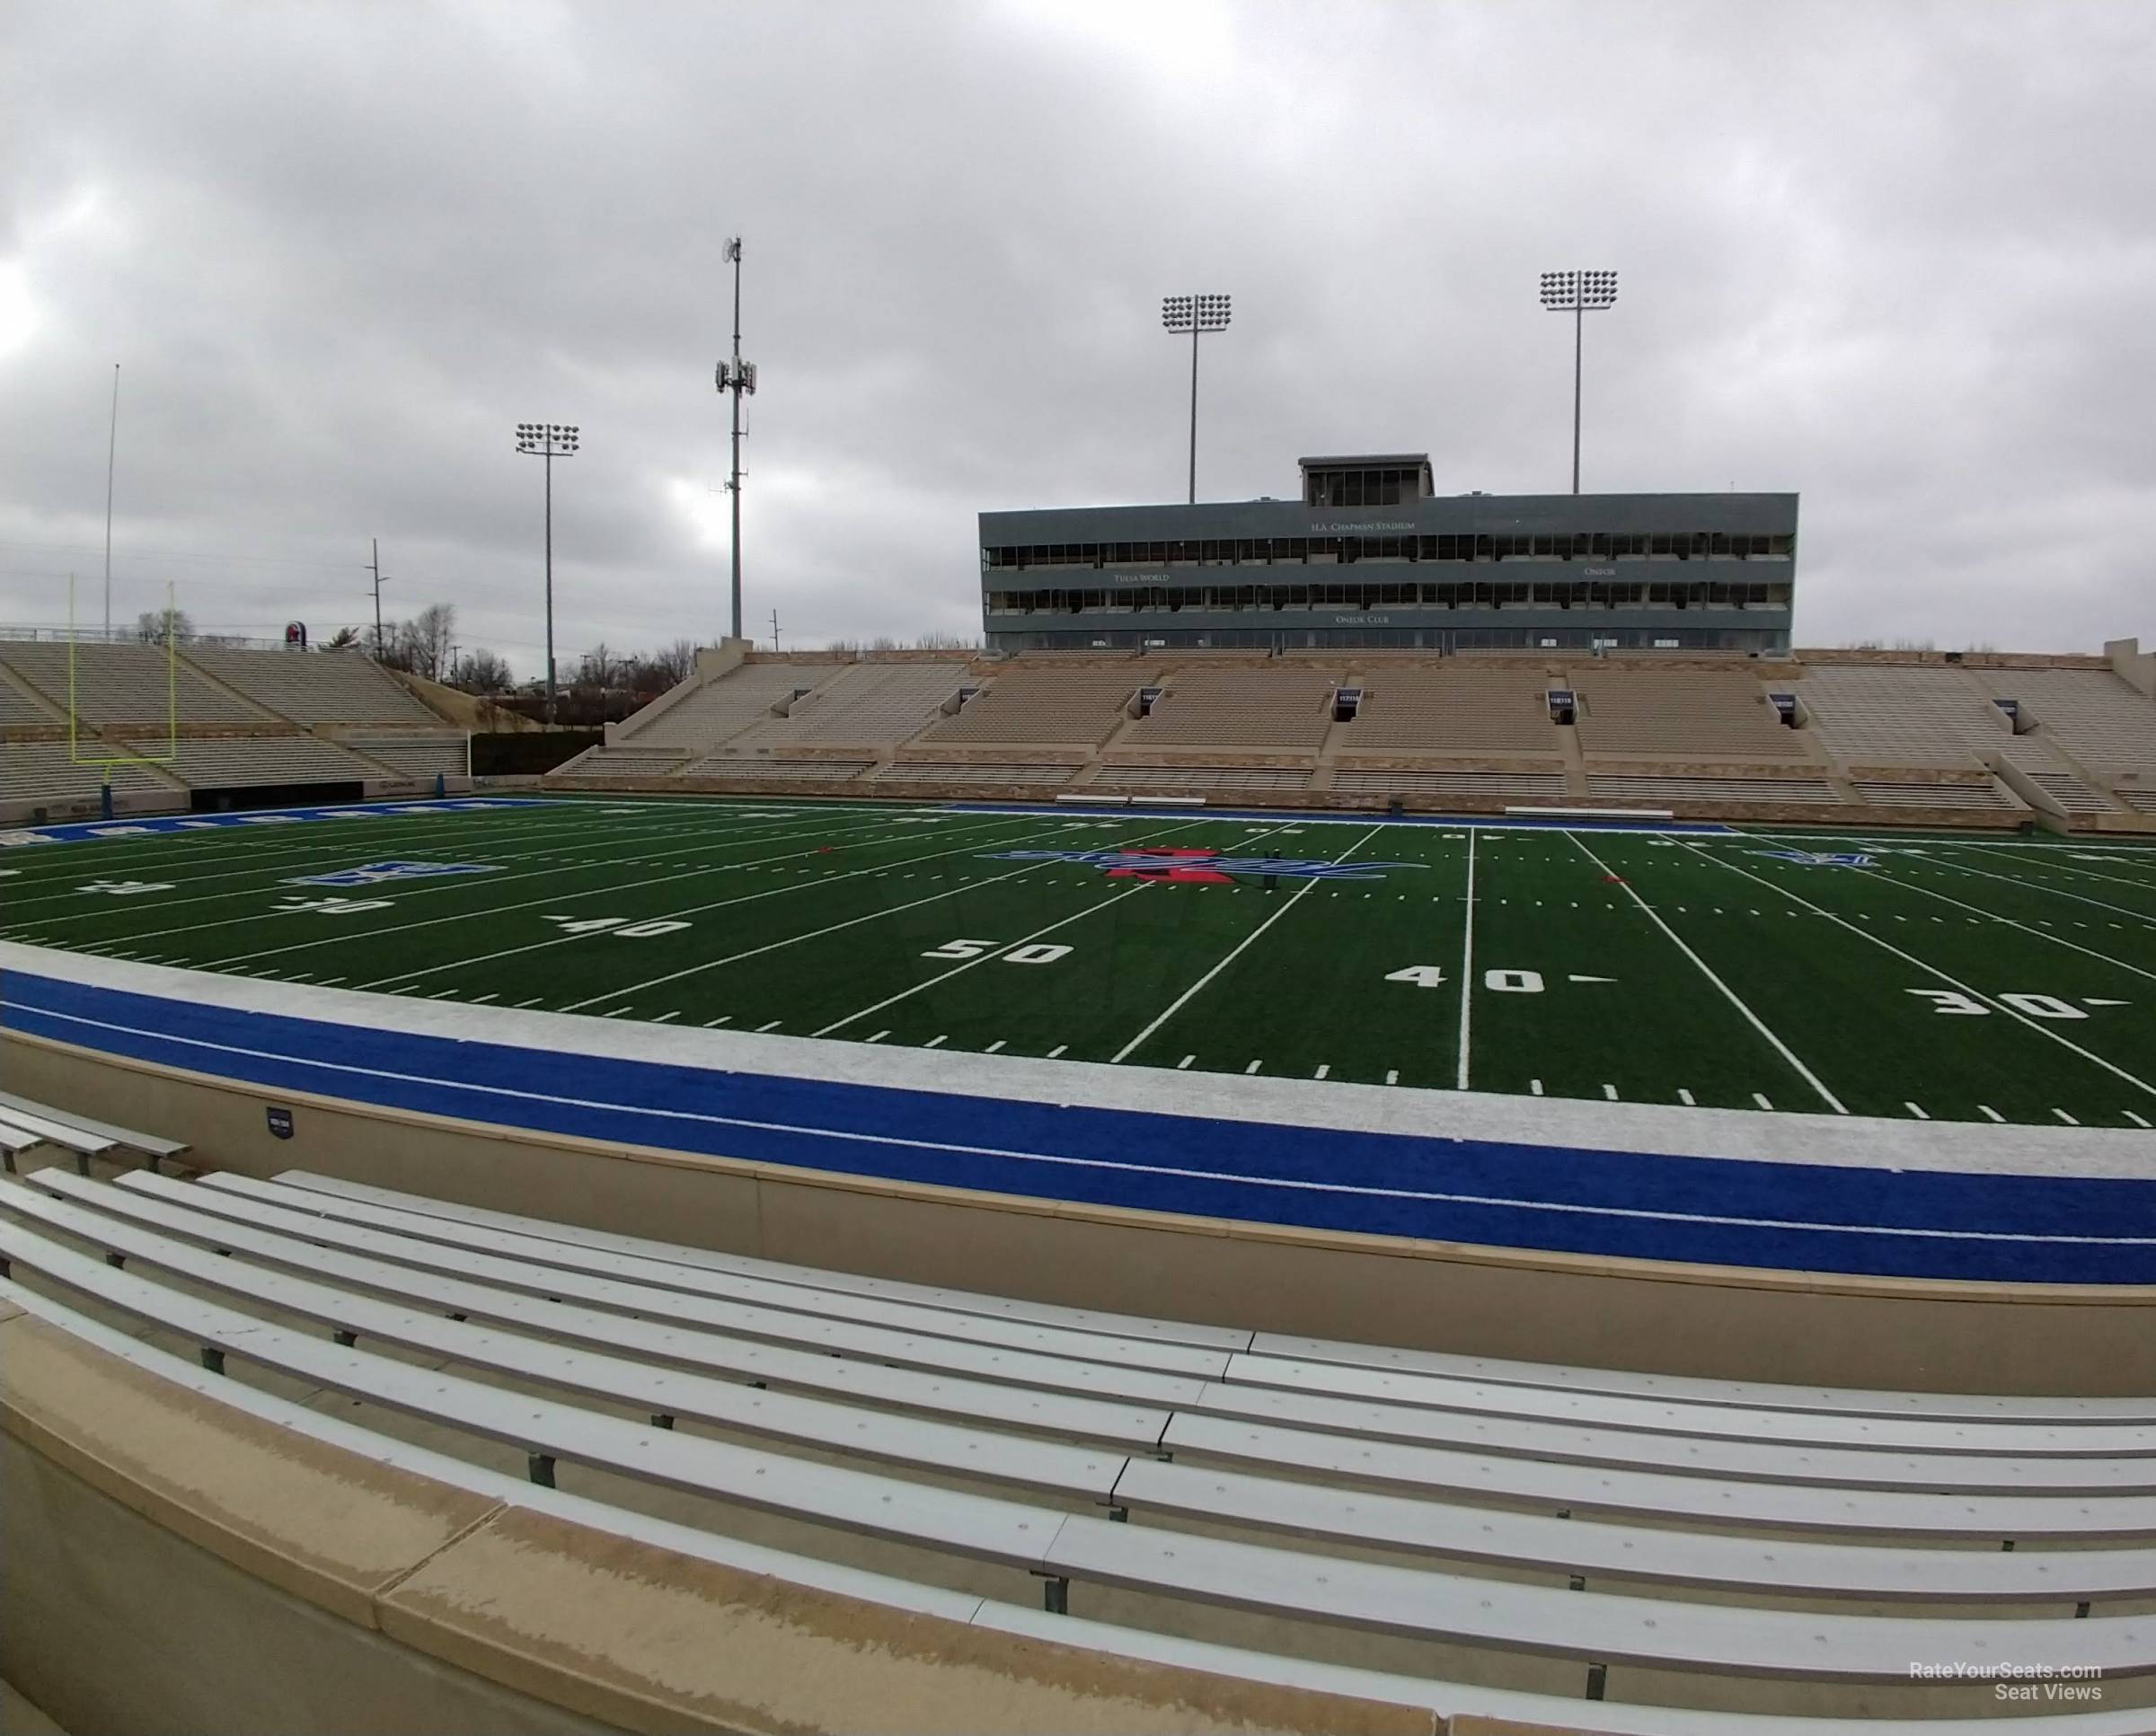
point(1201, 867)
point(1820, 858)
point(367, 873)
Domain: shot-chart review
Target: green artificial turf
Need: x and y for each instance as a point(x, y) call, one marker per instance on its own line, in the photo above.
point(1953, 978)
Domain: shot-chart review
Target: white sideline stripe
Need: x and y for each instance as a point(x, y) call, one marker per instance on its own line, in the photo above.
point(1184, 998)
point(840, 1024)
point(1467, 966)
point(637, 886)
point(2041, 1030)
point(796, 940)
point(1729, 993)
point(1060, 1160)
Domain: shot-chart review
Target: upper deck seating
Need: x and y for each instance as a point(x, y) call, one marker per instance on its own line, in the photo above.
point(1046, 705)
point(1455, 711)
point(1422, 1492)
point(126, 686)
point(1239, 708)
point(725, 706)
point(1690, 714)
point(315, 686)
point(876, 703)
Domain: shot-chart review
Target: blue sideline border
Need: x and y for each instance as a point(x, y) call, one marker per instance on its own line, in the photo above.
point(151, 826)
point(1776, 1216)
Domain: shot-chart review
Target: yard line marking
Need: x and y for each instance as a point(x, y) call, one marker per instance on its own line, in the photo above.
point(1609, 1091)
point(1057, 1050)
point(1324, 1067)
point(2057, 892)
point(1990, 1114)
point(1184, 998)
point(2135, 1119)
point(1467, 962)
point(877, 1037)
point(1992, 915)
point(1535, 1085)
point(723, 1019)
point(1184, 1063)
point(1916, 1110)
point(1392, 1076)
point(617, 1012)
point(773, 1026)
point(2086, 873)
point(937, 1041)
point(1760, 1098)
point(1952, 981)
point(993, 1047)
point(2063, 1117)
point(668, 1017)
point(1685, 1097)
point(1729, 993)
point(441, 995)
point(1253, 1067)
point(636, 885)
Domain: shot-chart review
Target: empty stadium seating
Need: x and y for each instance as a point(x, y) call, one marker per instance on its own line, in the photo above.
point(132, 687)
point(871, 703)
point(1592, 1550)
point(713, 712)
point(343, 687)
point(1082, 705)
point(974, 772)
point(1463, 710)
point(1640, 789)
point(1239, 708)
point(1704, 715)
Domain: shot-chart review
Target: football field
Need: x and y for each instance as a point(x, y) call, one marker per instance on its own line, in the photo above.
point(1931, 977)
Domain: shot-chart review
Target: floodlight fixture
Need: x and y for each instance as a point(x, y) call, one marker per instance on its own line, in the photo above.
point(548, 440)
point(1578, 294)
point(1195, 314)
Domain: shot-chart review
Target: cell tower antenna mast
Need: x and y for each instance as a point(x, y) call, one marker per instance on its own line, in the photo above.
point(736, 377)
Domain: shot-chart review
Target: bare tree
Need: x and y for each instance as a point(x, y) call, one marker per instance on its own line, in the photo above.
point(433, 631)
point(150, 625)
point(481, 671)
point(596, 666)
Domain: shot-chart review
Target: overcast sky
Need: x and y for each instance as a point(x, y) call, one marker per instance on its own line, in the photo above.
point(1900, 258)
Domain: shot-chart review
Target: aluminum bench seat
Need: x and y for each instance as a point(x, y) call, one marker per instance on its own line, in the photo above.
point(1770, 1459)
point(758, 1343)
point(1309, 1393)
point(240, 1192)
point(1785, 1567)
point(24, 1129)
point(150, 1145)
point(1590, 1549)
point(1706, 1389)
point(1060, 1546)
point(1658, 1495)
point(961, 1301)
point(1444, 1699)
point(1021, 1461)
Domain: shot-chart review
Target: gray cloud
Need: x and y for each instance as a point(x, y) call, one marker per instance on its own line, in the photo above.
point(1897, 257)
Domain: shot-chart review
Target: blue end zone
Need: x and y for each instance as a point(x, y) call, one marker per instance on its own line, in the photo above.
point(1785, 1216)
point(156, 825)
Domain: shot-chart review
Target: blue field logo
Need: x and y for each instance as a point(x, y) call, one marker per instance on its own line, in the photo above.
point(1820, 858)
point(1200, 867)
point(368, 873)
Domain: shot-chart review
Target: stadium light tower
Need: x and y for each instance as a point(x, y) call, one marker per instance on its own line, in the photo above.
point(1194, 315)
point(548, 440)
point(737, 377)
point(1578, 294)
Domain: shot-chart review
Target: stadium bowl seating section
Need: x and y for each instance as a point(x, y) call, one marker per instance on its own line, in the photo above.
point(1827, 737)
point(207, 717)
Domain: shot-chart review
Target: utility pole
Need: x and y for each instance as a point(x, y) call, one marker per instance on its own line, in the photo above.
point(737, 377)
point(774, 632)
point(375, 566)
point(112, 453)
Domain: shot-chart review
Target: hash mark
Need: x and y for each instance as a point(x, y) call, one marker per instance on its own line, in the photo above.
point(534, 1001)
point(1759, 1099)
point(1685, 1097)
point(1324, 1067)
point(722, 1019)
point(1990, 1112)
point(1917, 1110)
point(1609, 1091)
point(1255, 1065)
point(2063, 1117)
point(663, 1017)
point(773, 1026)
point(998, 1044)
point(937, 1041)
point(1392, 1076)
point(878, 1037)
point(2135, 1119)
point(1535, 1085)
point(1057, 1050)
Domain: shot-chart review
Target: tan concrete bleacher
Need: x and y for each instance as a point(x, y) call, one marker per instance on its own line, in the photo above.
point(1654, 788)
point(1082, 705)
point(975, 771)
point(2104, 724)
point(126, 686)
point(1205, 777)
point(1889, 792)
point(874, 704)
point(211, 761)
point(774, 770)
point(1630, 712)
point(1456, 710)
point(1240, 708)
point(315, 686)
point(20, 707)
point(416, 753)
point(1453, 784)
point(1886, 715)
point(44, 770)
point(727, 705)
